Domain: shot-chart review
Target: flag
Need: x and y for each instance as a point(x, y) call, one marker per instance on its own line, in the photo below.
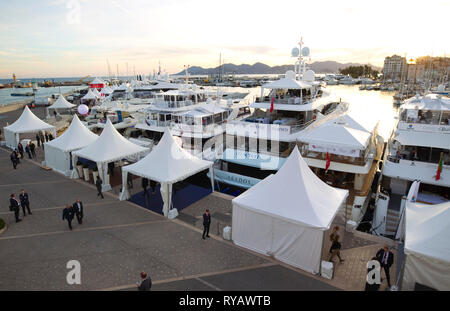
point(271, 104)
point(328, 163)
point(439, 169)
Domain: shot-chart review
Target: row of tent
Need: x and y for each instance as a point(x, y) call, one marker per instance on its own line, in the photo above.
point(285, 215)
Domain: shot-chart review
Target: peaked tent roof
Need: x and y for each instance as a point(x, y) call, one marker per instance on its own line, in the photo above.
point(97, 81)
point(75, 137)
point(300, 195)
point(168, 162)
point(286, 83)
point(61, 103)
point(27, 123)
point(110, 146)
point(106, 90)
point(331, 133)
point(428, 230)
point(96, 92)
point(89, 95)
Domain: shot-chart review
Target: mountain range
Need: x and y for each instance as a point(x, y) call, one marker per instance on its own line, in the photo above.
point(260, 68)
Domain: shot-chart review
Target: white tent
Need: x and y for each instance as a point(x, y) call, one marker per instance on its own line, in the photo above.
point(58, 151)
point(286, 215)
point(106, 91)
point(89, 95)
point(96, 93)
point(27, 123)
point(60, 103)
point(109, 147)
point(427, 247)
point(167, 164)
point(428, 102)
point(97, 81)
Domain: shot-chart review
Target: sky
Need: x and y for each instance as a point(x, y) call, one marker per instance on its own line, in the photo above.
point(66, 38)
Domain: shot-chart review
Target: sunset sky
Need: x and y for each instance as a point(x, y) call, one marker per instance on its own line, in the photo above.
point(64, 38)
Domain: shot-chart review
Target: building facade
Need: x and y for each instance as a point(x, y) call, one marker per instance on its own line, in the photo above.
point(395, 67)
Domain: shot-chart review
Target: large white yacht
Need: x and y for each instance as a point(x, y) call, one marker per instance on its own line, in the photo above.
point(419, 144)
point(194, 114)
point(258, 145)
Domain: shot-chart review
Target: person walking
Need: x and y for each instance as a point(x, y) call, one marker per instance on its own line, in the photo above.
point(335, 249)
point(38, 140)
point(25, 202)
point(98, 184)
point(145, 185)
point(146, 282)
point(33, 149)
point(386, 259)
point(46, 137)
point(20, 148)
point(50, 136)
point(129, 181)
point(68, 213)
point(55, 113)
point(14, 207)
point(28, 150)
point(206, 223)
point(42, 138)
point(78, 208)
point(14, 159)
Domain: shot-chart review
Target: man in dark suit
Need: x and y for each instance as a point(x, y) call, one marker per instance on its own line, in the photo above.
point(14, 207)
point(98, 184)
point(14, 159)
point(386, 259)
point(78, 208)
point(144, 185)
point(206, 223)
point(38, 140)
point(25, 202)
point(20, 148)
point(68, 215)
point(146, 282)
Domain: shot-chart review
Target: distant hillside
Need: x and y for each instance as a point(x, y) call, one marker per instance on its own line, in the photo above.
point(260, 68)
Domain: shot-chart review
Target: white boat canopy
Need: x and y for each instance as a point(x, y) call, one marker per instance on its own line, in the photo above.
point(287, 83)
point(109, 147)
point(428, 102)
point(167, 164)
point(27, 123)
point(423, 139)
point(287, 213)
point(427, 232)
point(57, 151)
point(335, 134)
point(356, 122)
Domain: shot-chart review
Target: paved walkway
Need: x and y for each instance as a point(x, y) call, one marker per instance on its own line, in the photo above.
point(116, 241)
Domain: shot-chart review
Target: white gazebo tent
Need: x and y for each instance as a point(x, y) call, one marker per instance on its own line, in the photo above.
point(106, 91)
point(96, 93)
point(109, 147)
point(89, 96)
point(60, 103)
point(27, 123)
point(286, 215)
point(58, 151)
point(427, 247)
point(167, 164)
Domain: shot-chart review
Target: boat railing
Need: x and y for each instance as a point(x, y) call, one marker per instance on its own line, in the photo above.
point(174, 104)
point(295, 100)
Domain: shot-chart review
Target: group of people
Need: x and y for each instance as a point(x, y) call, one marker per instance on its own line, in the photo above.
point(70, 211)
point(384, 256)
point(145, 183)
point(24, 201)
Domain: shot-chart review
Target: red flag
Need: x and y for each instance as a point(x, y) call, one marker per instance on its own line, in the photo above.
point(328, 163)
point(271, 104)
point(439, 169)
